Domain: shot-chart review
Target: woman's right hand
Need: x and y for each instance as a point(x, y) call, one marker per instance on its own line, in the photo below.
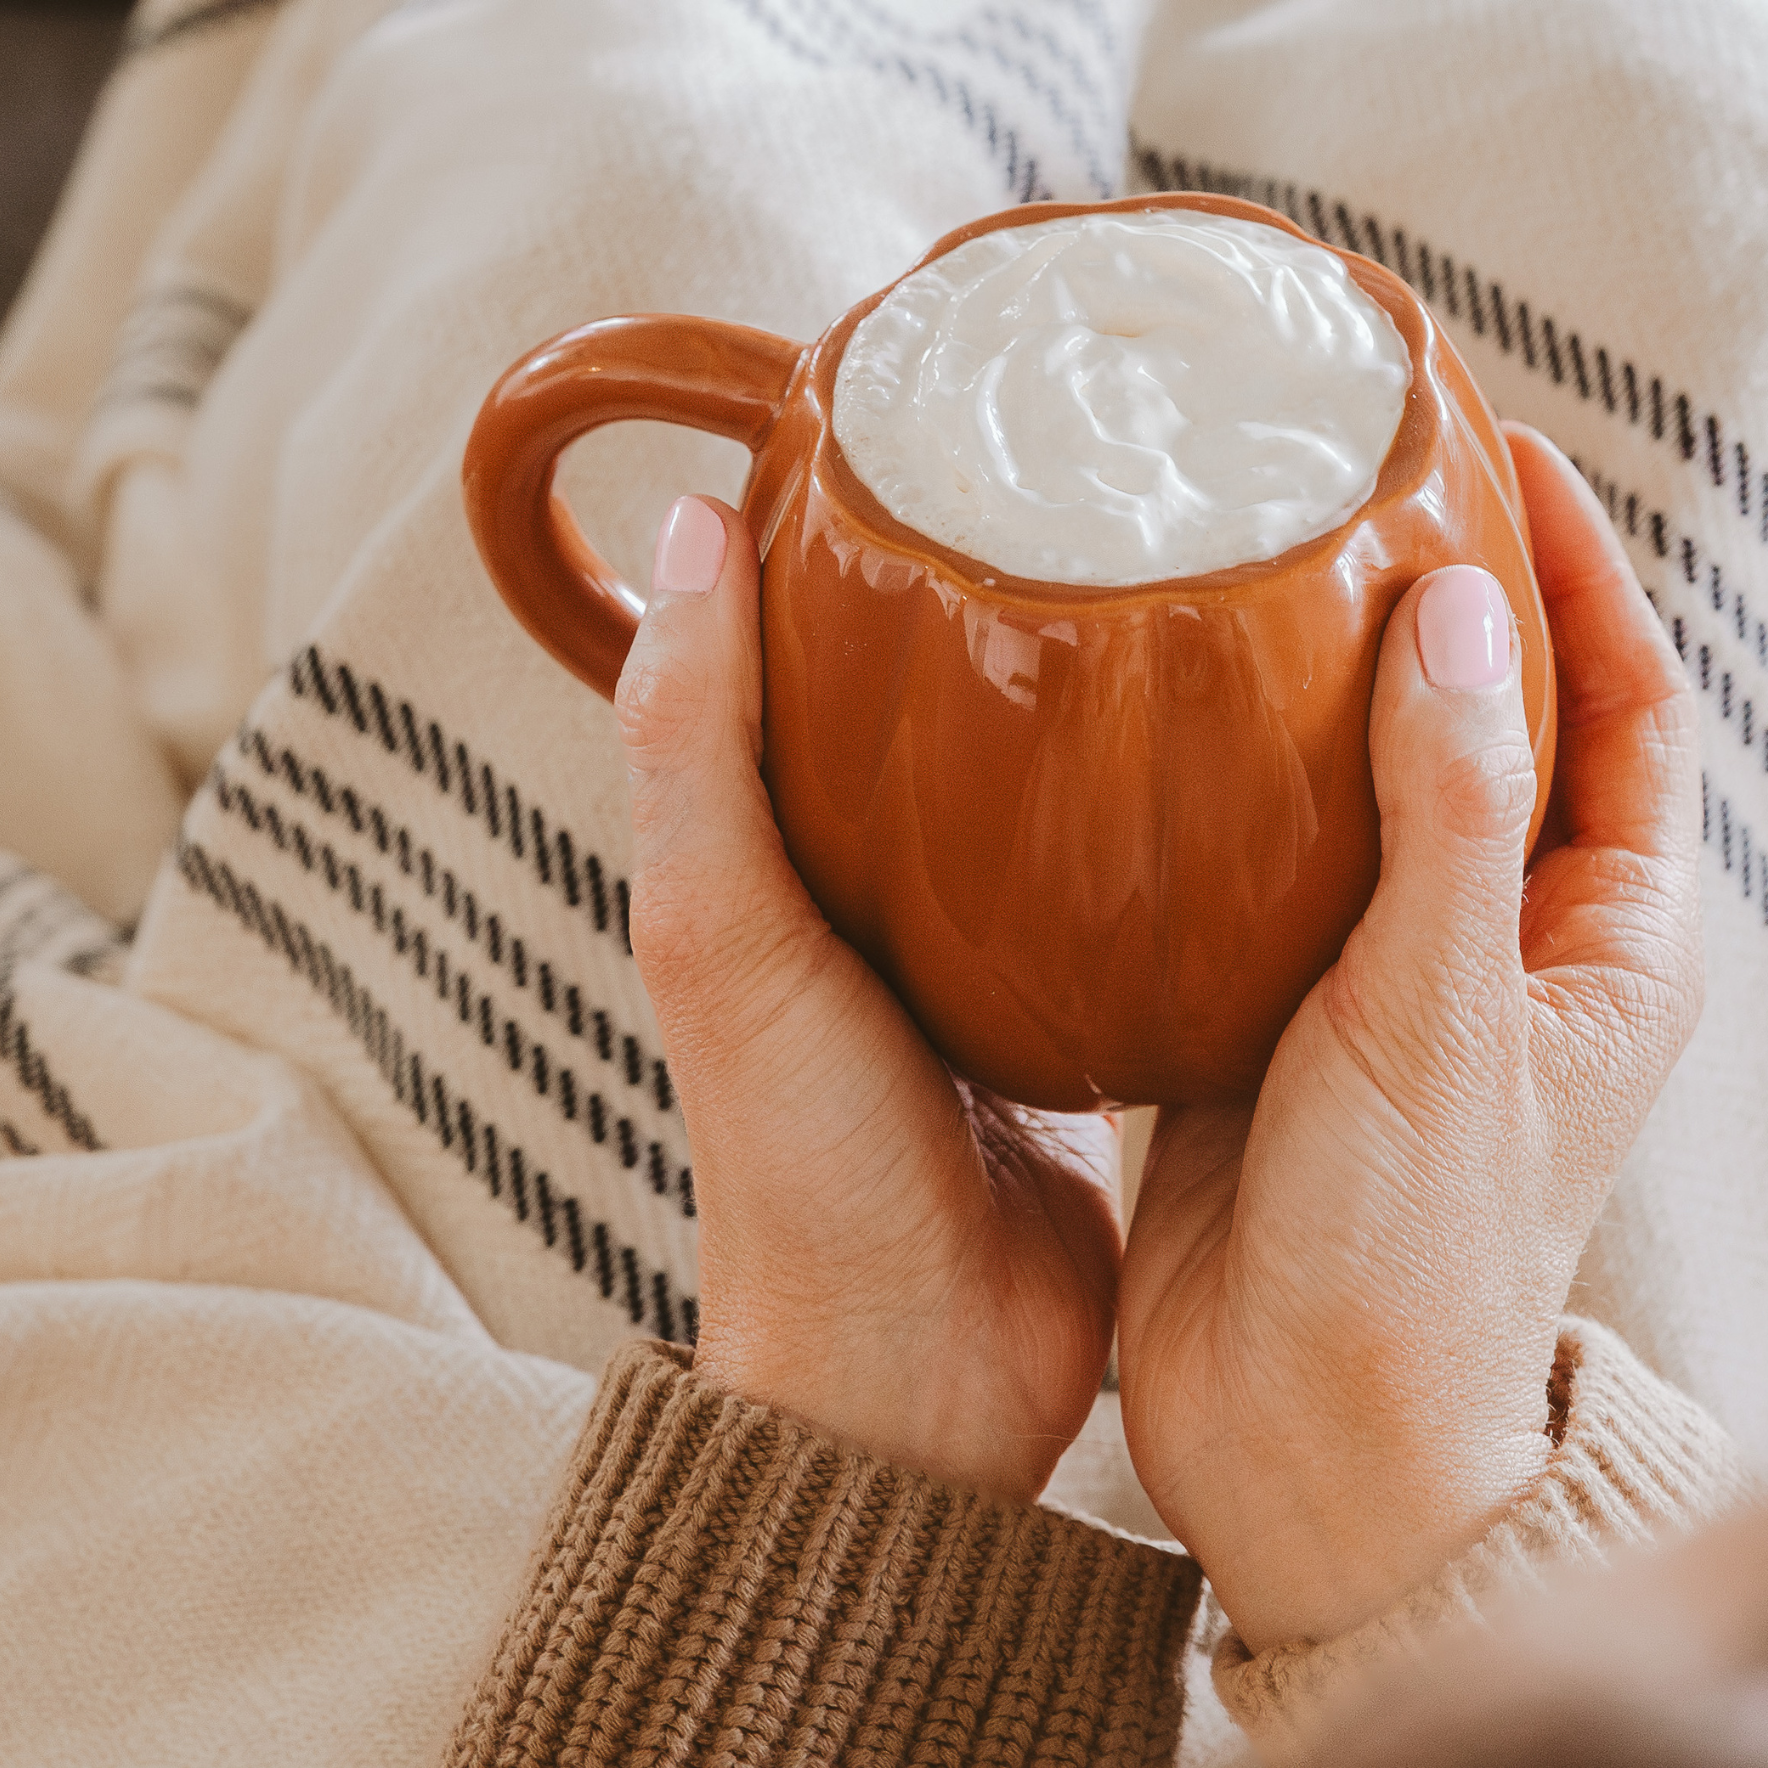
point(905, 1262)
point(1338, 1309)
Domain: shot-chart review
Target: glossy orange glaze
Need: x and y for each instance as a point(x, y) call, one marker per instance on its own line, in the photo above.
point(1101, 842)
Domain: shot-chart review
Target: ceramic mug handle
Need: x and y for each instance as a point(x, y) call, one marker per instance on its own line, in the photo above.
point(729, 379)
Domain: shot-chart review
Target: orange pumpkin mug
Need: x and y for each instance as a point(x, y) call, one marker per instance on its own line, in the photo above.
point(1101, 843)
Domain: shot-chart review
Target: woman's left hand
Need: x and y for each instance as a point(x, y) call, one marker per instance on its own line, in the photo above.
point(900, 1260)
point(1339, 1309)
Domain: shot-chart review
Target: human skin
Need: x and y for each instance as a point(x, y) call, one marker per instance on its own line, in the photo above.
point(1338, 1310)
point(1337, 1307)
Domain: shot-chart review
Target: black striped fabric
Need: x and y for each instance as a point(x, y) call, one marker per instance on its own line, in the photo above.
point(350, 832)
point(1693, 550)
point(41, 923)
point(1041, 89)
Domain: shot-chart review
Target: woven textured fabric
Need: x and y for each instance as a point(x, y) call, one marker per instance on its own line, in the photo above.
point(233, 401)
point(314, 1238)
point(721, 1584)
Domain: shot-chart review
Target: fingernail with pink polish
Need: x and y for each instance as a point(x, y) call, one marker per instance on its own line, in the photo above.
point(690, 549)
point(1464, 628)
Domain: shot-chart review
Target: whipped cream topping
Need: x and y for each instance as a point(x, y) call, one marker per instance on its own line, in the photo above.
point(1115, 398)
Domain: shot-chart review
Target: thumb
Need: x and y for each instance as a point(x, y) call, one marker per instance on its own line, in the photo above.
point(715, 902)
point(1435, 961)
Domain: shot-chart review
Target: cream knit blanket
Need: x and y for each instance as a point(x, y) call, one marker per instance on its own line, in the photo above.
point(383, 1112)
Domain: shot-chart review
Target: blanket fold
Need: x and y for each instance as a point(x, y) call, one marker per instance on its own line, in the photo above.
point(323, 1222)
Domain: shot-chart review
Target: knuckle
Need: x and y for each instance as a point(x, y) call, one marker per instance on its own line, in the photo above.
point(688, 967)
point(659, 701)
point(1603, 1054)
point(1678, 708)
point(1619, 1012)
point(1486, 798)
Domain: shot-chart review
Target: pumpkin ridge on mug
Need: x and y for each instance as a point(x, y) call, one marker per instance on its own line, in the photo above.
point(1100, 832)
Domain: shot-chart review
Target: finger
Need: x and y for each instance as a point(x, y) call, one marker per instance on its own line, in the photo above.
point(770, 1019)
point(1434, 963)
point(724, 932)
point(862, 1219)
point(766, 1016)
point(1611, 928)
point(1626, 774)
point(791, 1057)
point(689, 697)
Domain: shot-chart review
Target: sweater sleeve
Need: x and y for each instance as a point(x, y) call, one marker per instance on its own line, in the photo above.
point(718, 1583)
point(1633, 1457)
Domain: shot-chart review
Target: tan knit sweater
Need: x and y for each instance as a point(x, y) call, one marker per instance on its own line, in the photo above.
point(720, 1584)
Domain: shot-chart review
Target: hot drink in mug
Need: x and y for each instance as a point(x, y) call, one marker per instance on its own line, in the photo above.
point(1103, 400)
point(1078, 544)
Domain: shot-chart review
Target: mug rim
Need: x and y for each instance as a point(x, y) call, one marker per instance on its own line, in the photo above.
point(1408, 462)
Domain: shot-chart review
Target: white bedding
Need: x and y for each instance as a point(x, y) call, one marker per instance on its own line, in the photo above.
point(301, 244)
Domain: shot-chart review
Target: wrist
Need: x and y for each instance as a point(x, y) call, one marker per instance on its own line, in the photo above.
point(1630, 1459)
point(903, 1402)
point(1310, 1560)
point(1309, 1522)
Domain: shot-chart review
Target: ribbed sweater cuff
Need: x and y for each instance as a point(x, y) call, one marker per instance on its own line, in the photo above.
point(1634, 1457)
point(718, 1582)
